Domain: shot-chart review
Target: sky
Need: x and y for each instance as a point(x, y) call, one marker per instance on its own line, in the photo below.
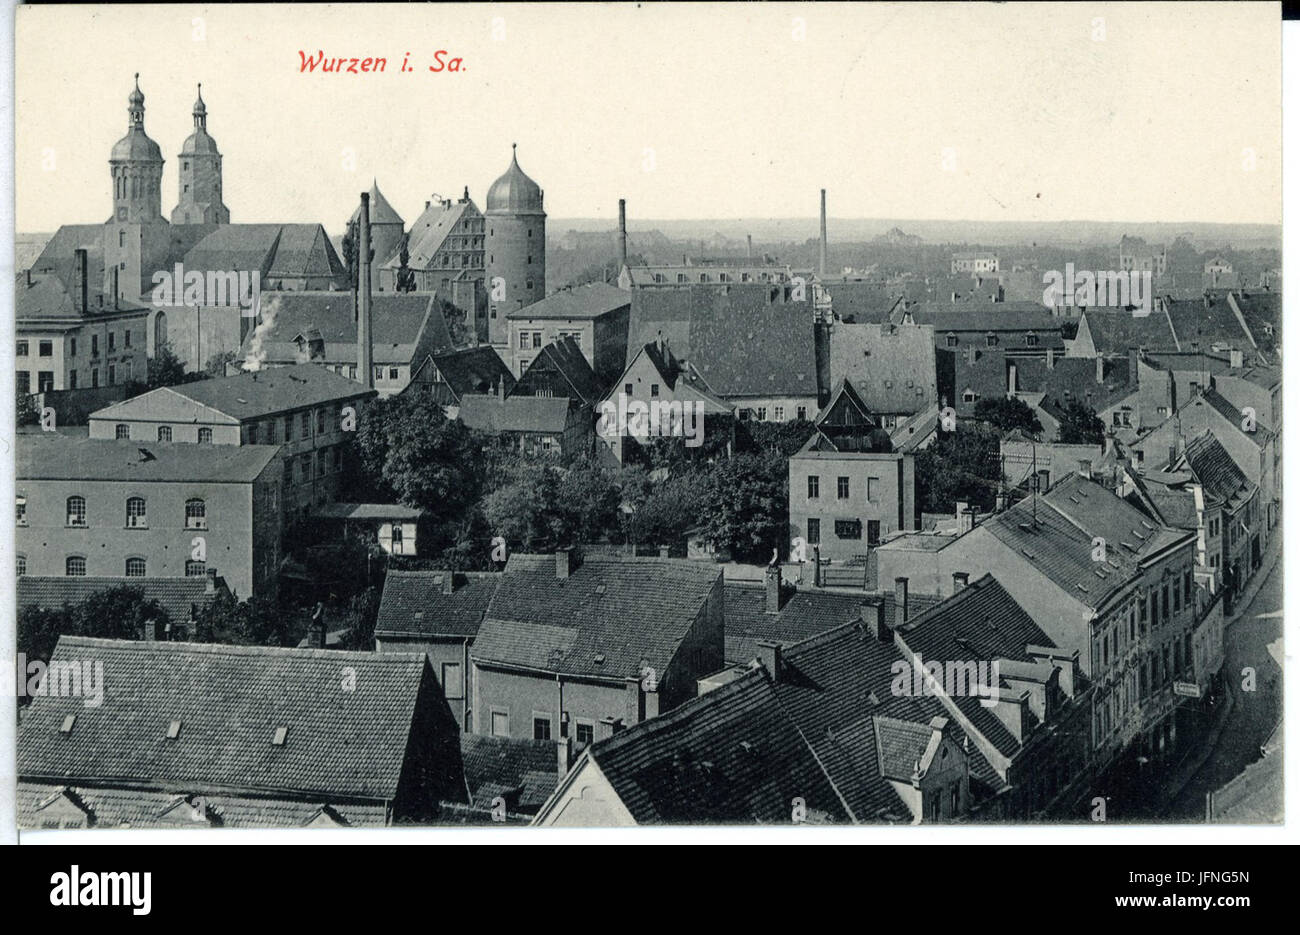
point(1034, 112)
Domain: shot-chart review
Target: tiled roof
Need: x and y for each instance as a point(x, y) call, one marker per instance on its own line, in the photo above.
point(399, 322)
point(730, 756)
point(51, 456)
point(997, 317)
point(544, 414)
point(1261, 436)
point(381, 212)
point(560, 369)
point(413, 604)
point(230, 702)
point(1204, 322)
point(473, 370)
point(892, 367)
point(989, 375)
point(588, 301)
point(175, 595)
point(365, 511)
point(863, 302)
point(1074, 379)
point(743, 339)
point(279, 251)
point(258, 394)
point(523, 772)
point(429, 232)
point(804, 614)
point(900, 745)
point(1114, 331)
point(109, 807)
point(601, 621)
point(1215, 469)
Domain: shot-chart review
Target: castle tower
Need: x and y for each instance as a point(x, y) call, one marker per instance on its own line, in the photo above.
point(200, 175)
point(515, 247)
point(136, 237)
point(136, 165)
point(386, 230)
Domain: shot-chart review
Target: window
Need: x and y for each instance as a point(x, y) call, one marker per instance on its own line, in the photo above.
point(135, 515)
point(20, 562)
point(288, 428)
point(320, 417)
point(47, 348)
point(396, 539)
point(112, 374)
point(75, 566)
point(112, 340)
point(72, 347)
point(500, 724)
point(802, 413)
point(45, 381)
point(20, 510)
point(305, 421)
point(94, 376)
point(586, 733)
point(195, 569)
point(1031, 339)
point(654, 389)
point(848, 529)
point(122, 431)
point(338, 458)
point(205, 436)
point(392, 375)
point(94, 345)
point(126, 338)
point(778, 413)
point(991, 340)
point(541, 728)
point(135, 568)
point(280, 736)
point(873, 489)
point(627, 389)
point(537, 339)
point(72, 379)
point(164, 431)
point(22, 349)
point(76, 511)
point(842, 488)
point(1187, 586)
point(951, 340)
point(196, 514)
point(452, 687)
point(24, 382)
point(873, 532)
point(814, 531)
point(761, 413)
point(814, 487)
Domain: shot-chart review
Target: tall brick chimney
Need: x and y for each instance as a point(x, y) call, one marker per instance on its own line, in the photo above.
point(566, 562)
point(821, 265)
point(622, 231)
point(772, 589)
point(79, 281)
point(365, 350)
point(900, 600)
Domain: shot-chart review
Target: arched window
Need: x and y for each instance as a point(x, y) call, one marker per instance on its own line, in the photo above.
point(75, 566)
point(205, 436)
point(160, 331)
point(196, 569)
point(164, 433)
point(135, 568)
point(121, 430)
point(135, 513)
point(196, 514)
point(76, 511)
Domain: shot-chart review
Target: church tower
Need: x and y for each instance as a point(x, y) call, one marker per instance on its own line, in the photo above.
point(136, 237)
point(200, 175)
point(386, 231)
point(515, 246)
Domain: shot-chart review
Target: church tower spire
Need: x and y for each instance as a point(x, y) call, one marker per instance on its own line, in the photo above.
point(199, 199)
point(136, 164)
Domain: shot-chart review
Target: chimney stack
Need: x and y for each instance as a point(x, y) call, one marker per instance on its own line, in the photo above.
point(1085, 468)
point(365, 352)
point(1235, 358)
point(822, 256)
point(970, 354)
point(78, 281)
point(1173, 456)
point(318, 626)
point(873, 619)
point(1101, 369)
point(566, 562)
point(564, 754)
point(900, 599)
point(448, 582)
point(769, 654)
point(607, 727)
point(622, 231)
point(1051, 358)
point(772, 584)
point(959, 580)
point(210, 585)
point(749, 248)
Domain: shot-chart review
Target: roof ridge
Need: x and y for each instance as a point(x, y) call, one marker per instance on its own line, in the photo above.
point(235, 649)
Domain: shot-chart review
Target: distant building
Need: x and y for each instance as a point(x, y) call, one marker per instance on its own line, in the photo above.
point(210, 735)
point(166, 509)
point(975, 262)
point(1136, 254)
point(1018, 332)
point(595, 316)
point(515, 247)
point(534, 425)
point(892, 367)
point(449, 376)
point(675, 276)
point(387, 229)
point(182, 598)
point(392, 526)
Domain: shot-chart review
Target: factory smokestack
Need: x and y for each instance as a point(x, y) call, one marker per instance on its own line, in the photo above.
point(365, 352)
point(749, 247)
point(822, 263)
point(622, 231)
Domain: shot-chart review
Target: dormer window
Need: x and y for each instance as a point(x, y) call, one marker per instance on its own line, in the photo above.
point(991, 339)
point(1031, 339)
point(173, 730)
point(281, 734)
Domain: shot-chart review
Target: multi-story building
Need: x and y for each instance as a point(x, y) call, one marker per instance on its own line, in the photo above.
point(567, 644)
point(892, 367)
point(516, 248)
point(974, 262)
point(445, 246)
point(306, 410)
point(137, 509)
point(594, 315)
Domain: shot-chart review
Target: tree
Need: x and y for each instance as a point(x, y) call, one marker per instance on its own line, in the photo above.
point(360, 618)
point(216, 365)
point(165, 368)
point(661, 513)
point(964, 464)
point(1079, 425)
point(783, 437)
point(27, 412)
point(746, 505)
point(1008, 414)
point(254, 622)
point(350, 249)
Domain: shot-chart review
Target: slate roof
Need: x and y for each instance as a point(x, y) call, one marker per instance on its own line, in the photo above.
point(255, 395)
point(1075, 379)
point(277, 251)
point(741, 340)
point(52, 456)
point(892, 367)
point(541, 414)
point(900, 746)
point(474, 370)
point(989, 376)
point(1205, 321)
point(523, 772)
point(399, 323)
point(175, 595)
point(413, 604)
point(601, 621)
point(864, 302)
point(230, 701)
point(1114, 331)
point(560, 369)
point(428, 233)
point(109, 807)
point(367, 511)
point(730, 756)
point(588, 301)
point(998, 317)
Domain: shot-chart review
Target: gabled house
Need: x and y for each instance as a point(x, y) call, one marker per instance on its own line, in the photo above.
point(451, 375)
point(594, 315)
point(212, 735)
point(892, 367)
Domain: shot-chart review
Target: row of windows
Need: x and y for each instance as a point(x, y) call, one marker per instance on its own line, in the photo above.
point(759, 413)
point(45, 378)
point(264, 433)
point(74, 566)
point(843, 487)
point(584, 731)
point(123, 430)
point(850, 529)
point(46, 348)
point(196, 512)
point(724, 277)
point(313, 464)
point(991, 340)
